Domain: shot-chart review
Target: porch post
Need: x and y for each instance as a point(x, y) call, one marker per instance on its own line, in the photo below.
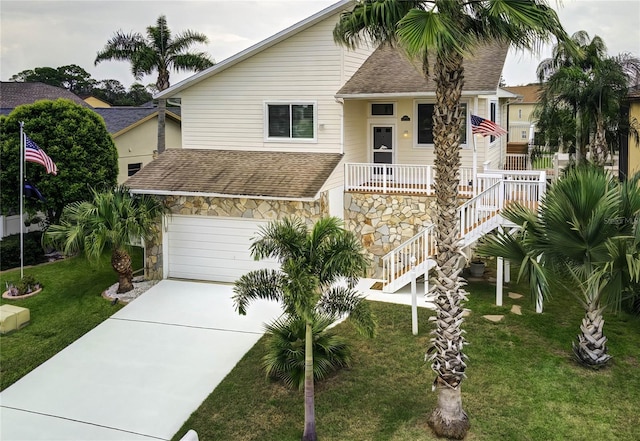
point(539, 296)
point(475, 167)
point(499, 281)
point(507, 271)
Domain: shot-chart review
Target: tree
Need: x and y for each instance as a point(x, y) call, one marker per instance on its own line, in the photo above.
point(584, 238)
point(160, 52)
point(582, 78)
point(313, 263)
point(71, 77)
point(112, 219)
point(448, 30)
point(75, 138)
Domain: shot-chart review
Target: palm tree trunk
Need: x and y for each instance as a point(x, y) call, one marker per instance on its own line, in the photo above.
point(162, 111)
point(309, 389)
point(121, 263)
point(591, 346)
point(448, 419)
point(599, 152)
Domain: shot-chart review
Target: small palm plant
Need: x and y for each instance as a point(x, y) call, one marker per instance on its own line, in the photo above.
point(308, 284)
point(113, 219)
point(285, 350)
point(584, 239)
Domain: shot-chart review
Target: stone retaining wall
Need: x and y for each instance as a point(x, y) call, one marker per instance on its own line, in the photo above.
point(246, 208)
point(384, 221)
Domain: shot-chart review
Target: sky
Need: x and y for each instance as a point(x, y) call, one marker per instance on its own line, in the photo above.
point(55, 33)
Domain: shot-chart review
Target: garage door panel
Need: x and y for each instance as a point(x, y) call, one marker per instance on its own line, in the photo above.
point(212, 248)
point(188, 247)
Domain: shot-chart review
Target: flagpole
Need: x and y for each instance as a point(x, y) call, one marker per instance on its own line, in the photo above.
point(475, 166)
point(21, 199)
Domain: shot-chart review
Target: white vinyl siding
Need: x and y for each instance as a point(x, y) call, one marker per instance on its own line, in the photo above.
point(211, 248)
point(226, 111)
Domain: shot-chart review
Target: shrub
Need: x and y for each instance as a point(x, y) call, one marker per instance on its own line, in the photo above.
point(285, 357)
point(10, 250)
point(26, 285)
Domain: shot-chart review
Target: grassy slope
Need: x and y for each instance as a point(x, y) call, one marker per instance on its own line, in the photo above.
point(523, 383)
point(69, 306)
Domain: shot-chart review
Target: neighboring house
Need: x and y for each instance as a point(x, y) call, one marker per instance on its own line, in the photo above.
point(521, 121)
point(14, 94)
point(629, 161)
point(96, 102)
point(135, 132)
point(134, 129)
point(299, 126)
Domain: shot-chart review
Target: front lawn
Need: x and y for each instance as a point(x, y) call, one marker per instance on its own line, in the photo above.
point(69, 306)
point(523, 383)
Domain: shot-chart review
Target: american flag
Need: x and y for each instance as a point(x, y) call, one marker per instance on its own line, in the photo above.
point(485, 127)
point(33, 153)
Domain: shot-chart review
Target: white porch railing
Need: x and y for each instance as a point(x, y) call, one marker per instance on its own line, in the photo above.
point(477, 217)
point(399, 178)
point(396, 265)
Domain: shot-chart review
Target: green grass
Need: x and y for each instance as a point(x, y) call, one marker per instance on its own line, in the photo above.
point(523, 383)
point(69, 306)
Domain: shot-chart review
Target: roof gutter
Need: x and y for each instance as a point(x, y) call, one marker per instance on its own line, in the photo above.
point(364, 96)
point(221, 195)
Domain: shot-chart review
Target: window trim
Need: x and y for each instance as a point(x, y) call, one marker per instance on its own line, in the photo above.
point(464, 145)
point(493, 117)
point(290, 139)
point(393, 103)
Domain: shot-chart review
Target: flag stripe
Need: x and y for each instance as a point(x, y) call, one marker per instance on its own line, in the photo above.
point(33, 153)
point(485, 127)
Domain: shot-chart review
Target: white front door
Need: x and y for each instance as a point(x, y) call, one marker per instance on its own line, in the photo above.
point(382, 144)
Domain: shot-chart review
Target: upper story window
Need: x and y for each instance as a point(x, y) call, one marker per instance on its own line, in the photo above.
point(519, 113)
point(290, 121)
point(382, 109)
point(134, 168)
point(424, 124)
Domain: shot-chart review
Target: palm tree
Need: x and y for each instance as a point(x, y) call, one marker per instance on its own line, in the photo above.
point(160, 52)
point(448, 30)
point(581, 76)
point(113, 219)
point(584, 237)
point(313, 263)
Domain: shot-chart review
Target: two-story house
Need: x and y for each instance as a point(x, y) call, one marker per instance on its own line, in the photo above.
point(299, 126)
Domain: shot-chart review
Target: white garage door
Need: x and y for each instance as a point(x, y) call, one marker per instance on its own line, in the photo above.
point(211, 248)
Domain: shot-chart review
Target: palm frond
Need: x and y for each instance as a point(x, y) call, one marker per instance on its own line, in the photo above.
point(260, 284)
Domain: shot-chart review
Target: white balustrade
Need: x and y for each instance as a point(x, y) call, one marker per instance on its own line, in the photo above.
point(398, 178)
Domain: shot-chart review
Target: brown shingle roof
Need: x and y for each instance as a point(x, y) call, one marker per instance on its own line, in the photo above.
point(240, 173)
point(530, 93)
point(13, 94)
point(389, 71)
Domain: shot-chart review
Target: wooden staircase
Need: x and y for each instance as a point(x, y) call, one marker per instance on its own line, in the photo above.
point(477, 216)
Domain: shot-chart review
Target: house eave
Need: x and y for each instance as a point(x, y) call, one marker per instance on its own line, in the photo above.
point(221, 195)
point(256, 48)
point(364, 96)
point(144, 120)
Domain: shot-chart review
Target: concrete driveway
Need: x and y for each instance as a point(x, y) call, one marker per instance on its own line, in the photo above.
point(141, 373)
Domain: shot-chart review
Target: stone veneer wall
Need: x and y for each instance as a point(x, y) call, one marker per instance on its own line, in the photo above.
point(246, 208)
point(384, 221)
